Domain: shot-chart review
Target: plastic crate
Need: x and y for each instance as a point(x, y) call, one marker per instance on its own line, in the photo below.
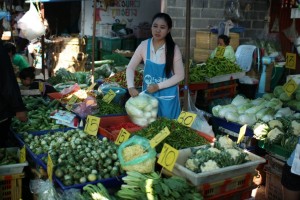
point(128, 44)
point(214, 176)
point(234, 195)
point(13, 168)
point(273, 187)
point(11, 187)
point(111, 44)
point(226, 186)
point(275, 150)
point(108, 121)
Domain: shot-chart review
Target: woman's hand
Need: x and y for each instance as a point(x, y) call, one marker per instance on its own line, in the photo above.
point(22, 116)
point(152, 88)
point(133, 92)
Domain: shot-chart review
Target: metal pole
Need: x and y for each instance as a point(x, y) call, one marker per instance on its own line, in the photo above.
point(93, 40)
point(187, 54)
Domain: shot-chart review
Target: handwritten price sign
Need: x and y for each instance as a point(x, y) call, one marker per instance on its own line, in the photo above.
point(49, 167)
point(186, 118)
point(290, 87)
point(91, 87)
point(159, 137)
point(122, 137)
point(72, 100)
point(41, 86)
point(109, 96)
point(290, 60)
point(92, 125)
point(168, 157)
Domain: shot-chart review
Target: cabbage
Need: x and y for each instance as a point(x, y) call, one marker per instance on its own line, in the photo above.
point(232, 116)
point(265, 111)
point(216, 109)
point(297, 96)
point(140, 102)
point(243, 108)
point(284, 112)
point(248, 119)
point(278, 90)
point(274, 103)
point(284, 97)
point(267, 118)
point(239, 100)
point(258, 101)
point(254, 109)
point(268, 96)
point(226, 109)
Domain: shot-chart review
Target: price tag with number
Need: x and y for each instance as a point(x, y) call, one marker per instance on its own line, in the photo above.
point(23, 154)
point(290, 87)
point(91, 87)
point(241, 134)
point(168, 157)
point(72, 100)
point(92, 125)
point(159, 137)
point(290, 60)
point(41, 86)
point(49, 167)
point(122, 137)
point(109, 96)
point(186, 118)
point(220, 52)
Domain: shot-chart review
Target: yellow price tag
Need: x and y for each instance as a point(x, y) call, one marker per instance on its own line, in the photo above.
point(220, 52)
point(41, 86)
point(290, 60)
point(109, 96)
point(49, 167)
point(168, 157)
point(91, 87)
point(122, 137)
point(186, 118)
point(159, 137)
point(23, 154)
point(92, 125)
point(290, 87)
point(241, 134)
point(72, 100)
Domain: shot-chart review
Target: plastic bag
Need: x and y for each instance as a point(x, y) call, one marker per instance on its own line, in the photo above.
point(44, 189)
point(291, 32)
point(143, 163)
point(69, 90)
point(72, 194)
point(31, 24)
point(142, 109)
point(87, 107)
point(200, 123)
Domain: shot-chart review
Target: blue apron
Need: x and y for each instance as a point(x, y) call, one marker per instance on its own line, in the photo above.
point(168, 98)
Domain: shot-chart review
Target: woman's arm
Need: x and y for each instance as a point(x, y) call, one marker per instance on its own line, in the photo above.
point(178, 73)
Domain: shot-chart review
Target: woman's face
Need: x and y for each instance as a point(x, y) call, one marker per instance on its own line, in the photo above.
point(27, 81)
point(159, 29)
point(221, 42)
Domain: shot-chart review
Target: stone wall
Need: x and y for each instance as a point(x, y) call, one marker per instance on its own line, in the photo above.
point(209, 13)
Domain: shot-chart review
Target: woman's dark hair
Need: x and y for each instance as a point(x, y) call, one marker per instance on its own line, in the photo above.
point(170, 44)
point(27, 72)
point(225, 38)
point(10, 47)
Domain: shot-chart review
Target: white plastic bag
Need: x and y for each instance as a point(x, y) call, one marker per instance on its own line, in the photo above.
point(31, 24)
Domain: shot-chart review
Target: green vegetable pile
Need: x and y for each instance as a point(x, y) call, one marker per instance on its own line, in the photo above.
point(108, 108)
point(153, 186)
point(180, 137)
point(38, 115)
point(78, 157)
point(292, 101)
point(8, 158)
point(224, 153)
point(212, 67)
point(95, 192)
point(62, 76)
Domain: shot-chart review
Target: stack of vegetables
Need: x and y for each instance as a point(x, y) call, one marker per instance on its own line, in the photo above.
point(120, 78)
point(212, 67)
point(78, 157)
point(108, 108)
point(223, 153)
point(283, 131)
point(245, 111)
point(38, 115)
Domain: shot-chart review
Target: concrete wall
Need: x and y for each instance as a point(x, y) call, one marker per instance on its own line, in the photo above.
point(208, 13)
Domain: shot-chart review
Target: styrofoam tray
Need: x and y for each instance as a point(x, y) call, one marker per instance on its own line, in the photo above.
point(226, 77)
point(215, 175)
point(13, 168)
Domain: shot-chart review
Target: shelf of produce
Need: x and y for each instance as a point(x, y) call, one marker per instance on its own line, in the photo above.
point(226, 77)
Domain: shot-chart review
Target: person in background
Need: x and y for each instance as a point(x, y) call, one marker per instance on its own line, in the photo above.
point(224, 41)
point(291, 181)
point(11, 103)
point(27, 77)
point(163, 68)
point(17, 59)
